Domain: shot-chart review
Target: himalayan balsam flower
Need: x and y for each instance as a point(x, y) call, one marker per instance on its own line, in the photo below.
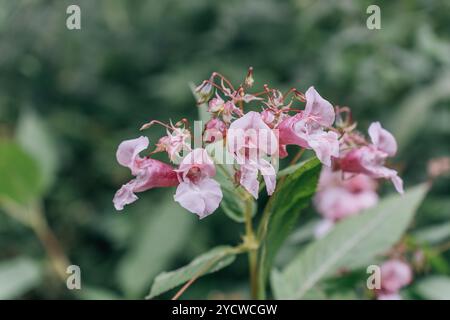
point(306, 129)
point(370, 159)
point(149, 173)
point(254, 139)
point(197, 191)
point(338, 198)
point(395, 274)
point(250, 140)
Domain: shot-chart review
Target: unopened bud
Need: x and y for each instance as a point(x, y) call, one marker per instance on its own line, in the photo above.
point(249, 78)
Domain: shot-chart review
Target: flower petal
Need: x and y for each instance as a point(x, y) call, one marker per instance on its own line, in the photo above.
point(325, 145)
point(318, 107)
point(124, 196)
point(382, 139)
point(128, 152)
point(202, 198)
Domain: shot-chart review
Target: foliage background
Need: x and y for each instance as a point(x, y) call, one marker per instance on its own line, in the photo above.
point(132, 60)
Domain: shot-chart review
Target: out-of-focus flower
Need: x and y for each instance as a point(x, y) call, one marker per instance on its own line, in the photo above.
point(338, 198)
point(438, 167)
point(150, 173)
point(370, 159)
point(197, 191)
point(395, 274)
point(306, 129)
point(249, 139)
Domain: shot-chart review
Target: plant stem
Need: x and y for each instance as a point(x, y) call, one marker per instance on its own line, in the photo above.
point(252, 246)
point(52, 247)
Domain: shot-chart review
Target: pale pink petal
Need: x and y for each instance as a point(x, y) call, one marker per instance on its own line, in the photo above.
point(398, 183)
point(319, 108)
point(124, 196)
point(128, 152)
point(249, 179)
point(269, 175)
point(325, 145)
point(251, 129)
point(382, 139)
point(201, 198)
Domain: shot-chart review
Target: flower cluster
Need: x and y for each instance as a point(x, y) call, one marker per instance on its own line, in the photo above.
point(255, 129)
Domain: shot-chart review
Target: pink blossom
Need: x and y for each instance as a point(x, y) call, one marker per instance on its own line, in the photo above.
point(215, 130)
point(197, 191)
point(249, 139)
point(150, 173)
point(175, 142)
point(306, 129)
point(338, 197)
point(370, 159)
point(226, 109)
point(395, 274)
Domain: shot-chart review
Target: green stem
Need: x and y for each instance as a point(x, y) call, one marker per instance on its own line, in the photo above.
point(252, 246)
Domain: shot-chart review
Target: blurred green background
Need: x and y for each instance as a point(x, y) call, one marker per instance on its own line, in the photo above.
point(70, 97)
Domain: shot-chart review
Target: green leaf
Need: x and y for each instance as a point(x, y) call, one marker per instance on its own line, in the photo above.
point(162, 235)
point(20, 176)
point(434, 288)
point(17, 276)
point(212, 261)
point(34, 136)
point(433, 234)
point(289, 199)
point(353, 243)
point(414, 111)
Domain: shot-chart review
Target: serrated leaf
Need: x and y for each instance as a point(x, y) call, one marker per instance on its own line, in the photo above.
point(20, 176)
point(434, 288)
point(293, 196)
point(353, 243)
point(17, 276)
point(161, 236)
point(212, 261)
point(33, 135)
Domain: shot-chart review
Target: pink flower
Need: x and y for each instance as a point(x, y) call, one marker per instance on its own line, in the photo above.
point(197, 191)
point(370, 159)
point(249, 139)
point(226, 109)
point(338, 198)
point(306, 129)
point(395, 274)
point(150, 173)
point(175, 142)
point(215, 130)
